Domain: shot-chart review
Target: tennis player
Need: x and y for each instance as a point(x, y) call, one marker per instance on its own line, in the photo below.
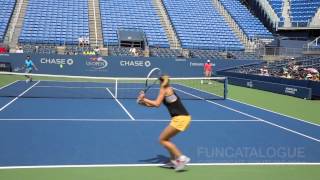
point(180, 121)
point(207, 69)
point(29, 65)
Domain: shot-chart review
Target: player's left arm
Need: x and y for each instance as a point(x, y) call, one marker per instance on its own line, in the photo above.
point(34, 66)
point(153, 103)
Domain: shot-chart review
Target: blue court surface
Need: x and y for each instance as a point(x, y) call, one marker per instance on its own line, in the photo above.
point(62, 131)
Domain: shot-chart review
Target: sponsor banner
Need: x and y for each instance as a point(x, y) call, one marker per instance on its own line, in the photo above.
point(314, 85)
point(114, 66)
point(296, 91)
point(5, 66)
point(56, 61)
point(96, 63)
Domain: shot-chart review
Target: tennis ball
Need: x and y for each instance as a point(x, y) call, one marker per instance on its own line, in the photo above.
point(61, 65)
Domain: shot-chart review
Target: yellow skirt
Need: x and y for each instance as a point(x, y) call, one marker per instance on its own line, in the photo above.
point(181, 123)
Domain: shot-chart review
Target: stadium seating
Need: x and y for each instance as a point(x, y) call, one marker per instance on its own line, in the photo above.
point(276, 68)
point(55, 22)
point(200, 26)
point(43, 49)
point(303, 10)
point(119, 51)
point(140, 14)
point(6, 10)
point(212, 54)
point(251, 25)
point(277, 6)
point(165, 52)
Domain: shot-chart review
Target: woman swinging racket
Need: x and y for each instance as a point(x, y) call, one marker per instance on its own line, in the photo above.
point(180, 121)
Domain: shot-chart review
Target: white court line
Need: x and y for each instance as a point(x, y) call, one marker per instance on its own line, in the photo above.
point(270, 123)
point(154, 165)
point(18, 96)
point(130, 120)
point(88, 87)
point(128, 113)
point(71, 87)
point(259, 107)
point(276, 113)
point(8, 84)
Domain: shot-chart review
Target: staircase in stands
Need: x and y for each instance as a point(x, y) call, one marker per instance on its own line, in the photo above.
point(95, 28)
point(266, 6)
point(16, 23)
point(234, 26)
point(166, 24)
point(315, 22)
point(286, 13)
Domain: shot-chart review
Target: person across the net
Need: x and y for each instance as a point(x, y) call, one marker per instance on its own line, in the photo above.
point(180, 121)
point(29, 66)
point(207, 69)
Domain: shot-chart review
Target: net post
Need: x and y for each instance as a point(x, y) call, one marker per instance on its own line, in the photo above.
point(116, 90)
point(225, 88)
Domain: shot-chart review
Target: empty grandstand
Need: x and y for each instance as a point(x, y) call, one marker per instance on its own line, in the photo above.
point(202, 29)
point(288, 14)
point(200, 26)
point(6, 10)
point(116, 14)
point(302, 11)
point(277, 6)
point(250, 24)
point(55, 22)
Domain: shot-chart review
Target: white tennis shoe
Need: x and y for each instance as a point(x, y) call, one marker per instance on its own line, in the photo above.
point(181, 162)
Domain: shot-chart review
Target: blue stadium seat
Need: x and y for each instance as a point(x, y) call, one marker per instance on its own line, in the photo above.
point(55, 22)
point(140, 14)
point(302, 11)
point(6, 10)
point(277, 6)
point(251, 25)
point(200, 26)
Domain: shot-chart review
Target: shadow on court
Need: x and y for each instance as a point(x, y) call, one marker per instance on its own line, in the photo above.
point(159, 159)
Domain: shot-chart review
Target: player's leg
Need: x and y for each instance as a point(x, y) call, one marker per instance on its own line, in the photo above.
point(29, 79)
point(205, 77)
point(178, 124)
point(209, 75)
point(206, 74)
point(164, 140)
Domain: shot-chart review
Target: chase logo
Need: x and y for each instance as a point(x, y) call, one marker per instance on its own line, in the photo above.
point(56, 61)
point(97, 63)
point(135, 63)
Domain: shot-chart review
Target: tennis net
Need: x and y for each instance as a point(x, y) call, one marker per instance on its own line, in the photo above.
point(61, 86)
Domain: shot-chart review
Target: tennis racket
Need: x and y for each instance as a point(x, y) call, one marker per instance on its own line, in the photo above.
point(152, 79)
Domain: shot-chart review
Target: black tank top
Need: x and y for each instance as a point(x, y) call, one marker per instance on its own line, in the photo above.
point(176, 107)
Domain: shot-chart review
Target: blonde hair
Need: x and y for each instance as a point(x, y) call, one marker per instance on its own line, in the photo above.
point(164, 80)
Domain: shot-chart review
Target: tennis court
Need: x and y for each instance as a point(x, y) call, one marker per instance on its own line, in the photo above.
point(65, 124)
